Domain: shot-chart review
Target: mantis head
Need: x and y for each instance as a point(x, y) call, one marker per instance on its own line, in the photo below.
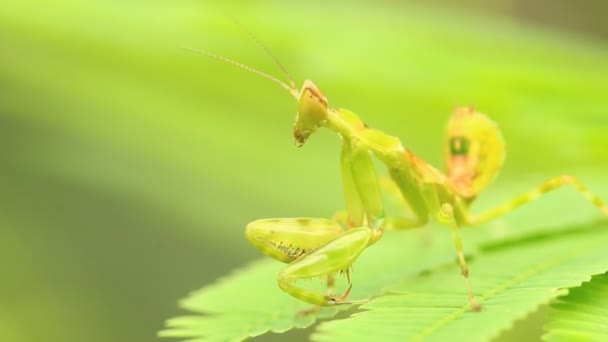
point(312, 112)
point(312, 104)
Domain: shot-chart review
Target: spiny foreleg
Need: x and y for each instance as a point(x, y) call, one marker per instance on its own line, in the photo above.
point(365, 209)
point(332, 257)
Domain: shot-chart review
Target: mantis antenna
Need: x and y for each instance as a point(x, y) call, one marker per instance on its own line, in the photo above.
point(292, 90)
point(267, 50)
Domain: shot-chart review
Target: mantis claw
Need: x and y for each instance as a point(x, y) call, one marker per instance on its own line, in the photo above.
point(342, 298)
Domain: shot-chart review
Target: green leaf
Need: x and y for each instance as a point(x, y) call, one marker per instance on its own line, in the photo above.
point(582, 315)
point(535, 90)
point(249, 303)
point(426, 294)
point(511, 280)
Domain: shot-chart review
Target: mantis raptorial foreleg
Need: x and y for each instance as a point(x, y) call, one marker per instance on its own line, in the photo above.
point(364, 203)
point(367, 185)
point(354, 205)
point(319, 247)
point(287, 239)
point(334, 256)
point(537, 192)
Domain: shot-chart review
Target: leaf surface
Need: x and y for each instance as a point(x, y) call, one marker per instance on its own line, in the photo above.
point(417, 289)
point(582, 315)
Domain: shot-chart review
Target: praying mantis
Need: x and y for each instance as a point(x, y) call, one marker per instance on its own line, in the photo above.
point(324, 247)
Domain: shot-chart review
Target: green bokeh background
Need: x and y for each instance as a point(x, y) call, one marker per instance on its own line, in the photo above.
point(129, 167)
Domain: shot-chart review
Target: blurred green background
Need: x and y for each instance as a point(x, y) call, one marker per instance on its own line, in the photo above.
point(129, 167)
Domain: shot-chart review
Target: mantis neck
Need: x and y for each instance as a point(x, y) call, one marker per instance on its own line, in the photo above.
point(388, 148)
point(345, 123)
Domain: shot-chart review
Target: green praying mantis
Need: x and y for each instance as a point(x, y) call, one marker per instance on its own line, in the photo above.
point(323, 248)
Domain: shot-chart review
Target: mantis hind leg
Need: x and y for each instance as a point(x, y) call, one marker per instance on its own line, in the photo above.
point(531, 195)
point(446, 216)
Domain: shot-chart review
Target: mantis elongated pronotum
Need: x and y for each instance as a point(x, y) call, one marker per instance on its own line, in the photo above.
point(318, 247)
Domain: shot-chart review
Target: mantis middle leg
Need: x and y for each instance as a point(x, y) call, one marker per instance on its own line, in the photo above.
point(444, 213)
point(446, 216)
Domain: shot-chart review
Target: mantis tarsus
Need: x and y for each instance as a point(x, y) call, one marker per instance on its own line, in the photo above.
point(318, 247)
